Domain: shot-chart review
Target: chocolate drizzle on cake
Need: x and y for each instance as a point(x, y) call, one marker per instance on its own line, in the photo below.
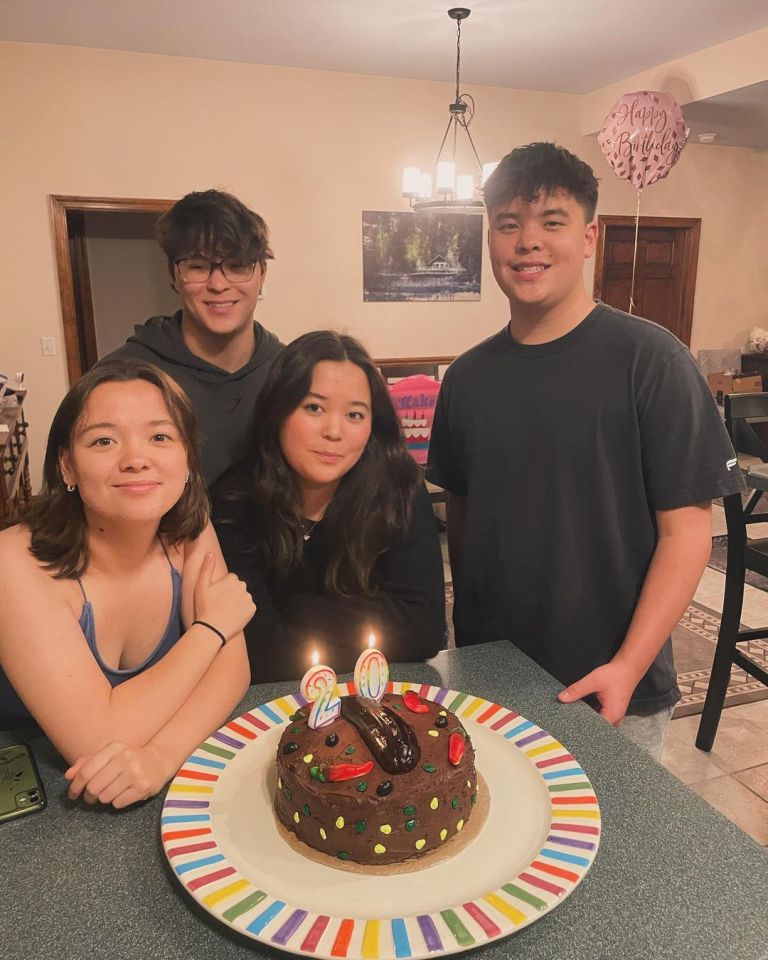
point(390, 739)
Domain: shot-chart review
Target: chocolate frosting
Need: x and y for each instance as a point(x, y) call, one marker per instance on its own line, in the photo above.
point(378, 817)
point(390, 739)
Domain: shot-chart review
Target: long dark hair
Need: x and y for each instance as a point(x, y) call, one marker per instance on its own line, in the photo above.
point(372, 504)
point(56, 519)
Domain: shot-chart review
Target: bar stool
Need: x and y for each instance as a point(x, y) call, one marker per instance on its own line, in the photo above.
point(743, 555)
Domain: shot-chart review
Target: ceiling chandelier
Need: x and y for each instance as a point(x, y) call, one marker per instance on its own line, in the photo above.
point(458, 193)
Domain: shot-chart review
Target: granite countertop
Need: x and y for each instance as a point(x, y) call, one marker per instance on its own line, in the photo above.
point(672, 878)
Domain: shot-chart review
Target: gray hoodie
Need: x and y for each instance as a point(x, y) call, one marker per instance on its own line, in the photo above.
point(223, 401)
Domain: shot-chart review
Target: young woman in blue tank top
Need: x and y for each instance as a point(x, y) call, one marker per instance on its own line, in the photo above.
point(120, 628)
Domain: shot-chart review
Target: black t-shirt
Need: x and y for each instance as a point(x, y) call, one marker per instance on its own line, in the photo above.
point(295, 616)
point(563, 451)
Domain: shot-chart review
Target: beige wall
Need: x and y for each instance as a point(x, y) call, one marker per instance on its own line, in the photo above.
point(309, 150)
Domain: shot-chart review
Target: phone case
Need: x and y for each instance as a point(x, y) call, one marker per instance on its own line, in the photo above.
point(21, 789)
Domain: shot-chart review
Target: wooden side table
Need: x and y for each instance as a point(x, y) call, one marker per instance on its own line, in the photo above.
point(15, 488)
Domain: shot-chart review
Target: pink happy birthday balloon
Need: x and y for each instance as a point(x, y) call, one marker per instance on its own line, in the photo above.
point(643, 136)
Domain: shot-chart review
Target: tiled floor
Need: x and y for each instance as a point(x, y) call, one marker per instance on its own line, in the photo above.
point(733, 776)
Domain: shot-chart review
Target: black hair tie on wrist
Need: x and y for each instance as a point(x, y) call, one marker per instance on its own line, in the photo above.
point(210, 626)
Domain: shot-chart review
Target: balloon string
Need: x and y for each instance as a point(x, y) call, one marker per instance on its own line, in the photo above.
point(634, 255)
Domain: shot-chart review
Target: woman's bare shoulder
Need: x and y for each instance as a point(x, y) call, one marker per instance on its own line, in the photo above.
point(14, 545)
point(16, 557)
point(188, 554)
point(22, 575)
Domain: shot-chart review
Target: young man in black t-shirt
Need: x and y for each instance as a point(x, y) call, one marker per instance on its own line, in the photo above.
point(581, 449)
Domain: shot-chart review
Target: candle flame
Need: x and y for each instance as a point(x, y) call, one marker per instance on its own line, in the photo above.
point(315, 658)
point(371, 640)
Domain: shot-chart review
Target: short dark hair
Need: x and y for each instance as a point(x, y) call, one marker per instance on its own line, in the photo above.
point(542, 168)
point(372, 506)
point(213, 222)
point(56, 519)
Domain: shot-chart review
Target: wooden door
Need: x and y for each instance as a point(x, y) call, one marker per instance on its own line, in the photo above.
point(74, 276)
point(665, 270)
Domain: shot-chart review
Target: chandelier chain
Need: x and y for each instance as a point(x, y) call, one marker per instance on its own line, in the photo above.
point(458, 57)
point(454, 192)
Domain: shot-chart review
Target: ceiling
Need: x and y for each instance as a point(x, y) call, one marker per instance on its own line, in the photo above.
point(567, 46)
point(738, 118)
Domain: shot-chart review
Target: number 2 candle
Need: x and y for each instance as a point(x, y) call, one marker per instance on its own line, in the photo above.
point(318, 685)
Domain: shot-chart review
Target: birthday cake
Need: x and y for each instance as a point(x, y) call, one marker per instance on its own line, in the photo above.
point(386, 780)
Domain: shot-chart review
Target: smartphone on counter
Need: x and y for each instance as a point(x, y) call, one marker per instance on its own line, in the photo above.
point(21, 789)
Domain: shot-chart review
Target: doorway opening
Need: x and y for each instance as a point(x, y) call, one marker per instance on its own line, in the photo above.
point(111, 273)
point(665, 273)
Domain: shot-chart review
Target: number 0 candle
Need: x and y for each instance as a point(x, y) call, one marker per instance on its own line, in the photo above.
point(371, 672)
point(318, 685)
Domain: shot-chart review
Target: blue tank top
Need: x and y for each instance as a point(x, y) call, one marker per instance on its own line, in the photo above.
point(13, 713)
point(172, 633)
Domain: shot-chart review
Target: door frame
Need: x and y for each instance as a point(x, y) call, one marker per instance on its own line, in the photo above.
point(692, 234)
point(67, 214)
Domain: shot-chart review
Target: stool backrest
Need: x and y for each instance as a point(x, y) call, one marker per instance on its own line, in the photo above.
point(742, 410)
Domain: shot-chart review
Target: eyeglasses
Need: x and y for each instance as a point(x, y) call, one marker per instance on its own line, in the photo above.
point(198, 269)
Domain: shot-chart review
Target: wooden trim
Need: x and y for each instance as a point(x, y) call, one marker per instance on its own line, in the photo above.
point(692, 227)
point(403, 360)
point(66, 289)
point(693, 236)
point(79, 333)
point(81, 279)
point(113, 204)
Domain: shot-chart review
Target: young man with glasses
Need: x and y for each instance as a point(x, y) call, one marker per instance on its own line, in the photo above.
point(217, 252)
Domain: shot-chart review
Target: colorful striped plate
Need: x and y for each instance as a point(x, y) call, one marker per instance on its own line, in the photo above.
point(539, 840)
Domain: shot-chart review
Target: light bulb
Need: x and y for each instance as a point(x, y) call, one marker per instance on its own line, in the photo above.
point(446, 176)
point(411, 178)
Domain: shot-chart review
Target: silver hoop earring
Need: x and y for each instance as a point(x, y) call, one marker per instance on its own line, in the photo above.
point(71, 488)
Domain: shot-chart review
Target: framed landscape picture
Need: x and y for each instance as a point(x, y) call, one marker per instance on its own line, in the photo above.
point(421, 256)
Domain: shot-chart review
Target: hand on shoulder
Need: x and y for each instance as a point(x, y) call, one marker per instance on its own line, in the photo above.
point(224, 601)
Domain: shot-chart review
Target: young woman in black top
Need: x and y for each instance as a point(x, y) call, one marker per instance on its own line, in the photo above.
point(328, 521)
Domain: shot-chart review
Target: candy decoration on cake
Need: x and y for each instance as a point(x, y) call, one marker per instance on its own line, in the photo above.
point(318, 685)
point(412, 702)
point(390, 739)
point(456, 747)
point(339, 772)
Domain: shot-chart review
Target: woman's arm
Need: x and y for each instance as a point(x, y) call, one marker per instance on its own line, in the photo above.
point(121, 774)
point(44, 654)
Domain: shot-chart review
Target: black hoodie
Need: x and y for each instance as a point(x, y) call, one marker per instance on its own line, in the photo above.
point(223, 401)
